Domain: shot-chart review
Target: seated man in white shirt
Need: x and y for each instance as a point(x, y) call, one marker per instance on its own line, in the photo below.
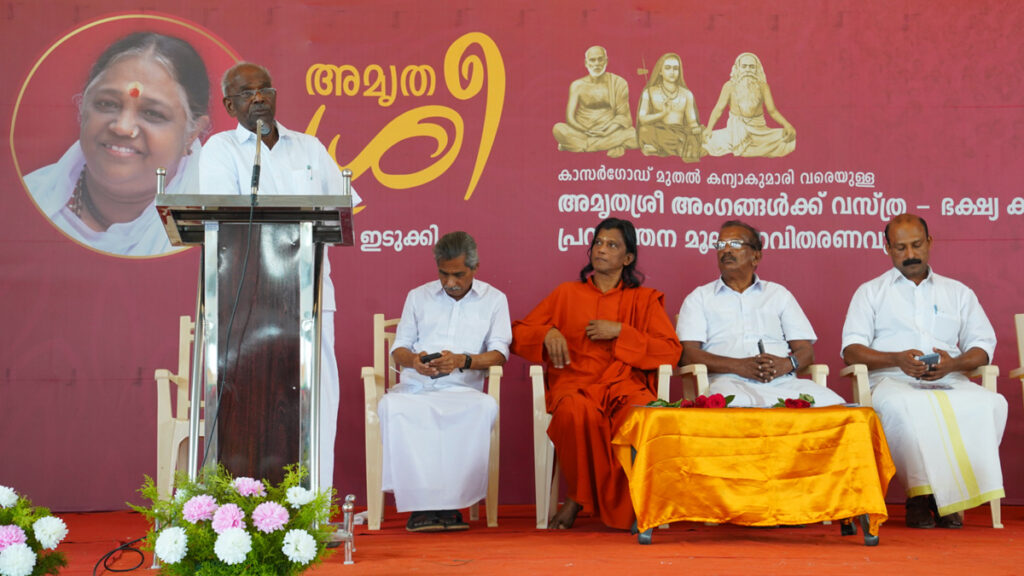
point(436, 423)
point(751, 334)
point(943, 430)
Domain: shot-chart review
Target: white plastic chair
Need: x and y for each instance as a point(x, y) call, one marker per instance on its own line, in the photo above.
point(862, 395)
point(545, 465)
point(377, 379)
point(172, 421)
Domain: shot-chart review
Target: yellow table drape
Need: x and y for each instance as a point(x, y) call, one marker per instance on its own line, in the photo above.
point(756, 467)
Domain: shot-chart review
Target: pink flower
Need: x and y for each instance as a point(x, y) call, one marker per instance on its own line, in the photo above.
point(11, 534)
point(249, 487)
point(199, 508)
point(716, 401)
point(228, 516)
point(269, 516)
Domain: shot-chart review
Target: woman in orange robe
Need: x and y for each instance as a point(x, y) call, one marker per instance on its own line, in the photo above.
point(599, 336)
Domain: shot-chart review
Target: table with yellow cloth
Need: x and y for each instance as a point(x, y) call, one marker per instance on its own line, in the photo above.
point(755, 467)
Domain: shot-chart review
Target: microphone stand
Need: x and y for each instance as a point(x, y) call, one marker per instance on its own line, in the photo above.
point(256, 163)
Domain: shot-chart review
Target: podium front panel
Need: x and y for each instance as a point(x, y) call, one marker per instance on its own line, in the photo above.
point(259, 291)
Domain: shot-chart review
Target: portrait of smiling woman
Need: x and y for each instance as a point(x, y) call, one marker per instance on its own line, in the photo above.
point(144, 106)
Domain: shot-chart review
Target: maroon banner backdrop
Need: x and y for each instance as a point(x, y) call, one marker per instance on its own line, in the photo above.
point(454, 116)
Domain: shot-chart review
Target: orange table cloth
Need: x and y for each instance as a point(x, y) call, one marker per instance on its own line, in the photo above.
point(756, 467)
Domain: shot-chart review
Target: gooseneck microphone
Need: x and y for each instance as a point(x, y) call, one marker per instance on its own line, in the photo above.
point(261, 131)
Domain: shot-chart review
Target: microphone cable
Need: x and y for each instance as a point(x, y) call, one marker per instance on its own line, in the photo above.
point(115, 555)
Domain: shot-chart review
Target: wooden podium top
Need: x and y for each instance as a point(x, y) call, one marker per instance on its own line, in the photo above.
point(184, 215)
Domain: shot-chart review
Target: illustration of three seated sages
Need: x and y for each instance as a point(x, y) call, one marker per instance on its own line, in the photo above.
point(598, 115)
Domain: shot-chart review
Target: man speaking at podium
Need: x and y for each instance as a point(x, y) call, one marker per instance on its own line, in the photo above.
point(291, 163)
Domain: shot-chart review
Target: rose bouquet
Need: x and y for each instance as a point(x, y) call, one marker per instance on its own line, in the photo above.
point(219, 525)
point(702, 401)
point(804, 401)
point(29, 536)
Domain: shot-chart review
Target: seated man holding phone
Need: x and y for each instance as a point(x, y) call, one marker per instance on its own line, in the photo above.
point(436, 423)
point(918, 332)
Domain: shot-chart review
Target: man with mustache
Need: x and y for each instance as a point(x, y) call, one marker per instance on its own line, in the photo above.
point(292, 163)
point(597, 116)
point(750, 333)
point(943, 431)
point(436, 424)
point(746, 133)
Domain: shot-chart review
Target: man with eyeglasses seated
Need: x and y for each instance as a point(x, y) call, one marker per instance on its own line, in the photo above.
point(751, 334)
point(291, 163)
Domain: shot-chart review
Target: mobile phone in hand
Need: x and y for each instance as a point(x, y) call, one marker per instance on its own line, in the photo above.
point(929, 359)
point(429, 357)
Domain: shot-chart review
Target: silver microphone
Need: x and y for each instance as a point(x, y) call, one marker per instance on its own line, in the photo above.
point(261, 130)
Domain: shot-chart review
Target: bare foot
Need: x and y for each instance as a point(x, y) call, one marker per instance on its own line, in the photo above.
point(566, 515)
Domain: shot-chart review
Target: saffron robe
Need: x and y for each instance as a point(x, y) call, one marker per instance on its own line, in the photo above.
point(587, 398)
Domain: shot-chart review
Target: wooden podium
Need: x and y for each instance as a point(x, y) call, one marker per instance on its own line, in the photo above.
point(256, 356)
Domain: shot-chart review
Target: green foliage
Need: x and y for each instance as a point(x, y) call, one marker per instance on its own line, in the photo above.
point(266, 557)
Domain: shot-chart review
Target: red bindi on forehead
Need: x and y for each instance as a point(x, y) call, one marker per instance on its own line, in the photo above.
point(135, 89)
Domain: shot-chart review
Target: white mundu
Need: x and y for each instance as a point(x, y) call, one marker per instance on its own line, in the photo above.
point(730, 323)
point(944, 435)
point(436, 432)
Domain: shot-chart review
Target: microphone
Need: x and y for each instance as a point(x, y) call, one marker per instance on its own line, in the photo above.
point(261, 131)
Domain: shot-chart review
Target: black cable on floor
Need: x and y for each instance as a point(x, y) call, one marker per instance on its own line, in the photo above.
point(114, 554)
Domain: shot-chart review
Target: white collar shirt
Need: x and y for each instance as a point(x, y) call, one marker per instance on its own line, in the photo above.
point(433, 321)
point(729, 323)
point(890, 313)
point(298, 164)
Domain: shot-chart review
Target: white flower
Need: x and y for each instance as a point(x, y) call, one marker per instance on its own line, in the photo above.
point(8, 497)
point(171, 545)
point(299, 546)
point(233, 545)
point(50, 531)
point(17, 560)
point(298, 496)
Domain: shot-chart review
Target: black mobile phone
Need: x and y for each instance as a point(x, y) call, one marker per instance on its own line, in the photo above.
point(430, 357)
point(929, 359)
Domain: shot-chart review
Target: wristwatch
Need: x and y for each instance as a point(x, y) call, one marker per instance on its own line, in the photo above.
point(469, 362)
point(796, 365)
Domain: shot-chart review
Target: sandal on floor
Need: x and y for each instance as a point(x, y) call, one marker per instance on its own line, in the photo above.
point(952, 521)
point(427, 521)
point(452, 520)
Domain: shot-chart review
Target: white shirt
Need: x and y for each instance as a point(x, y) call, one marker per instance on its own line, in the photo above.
point(297, 165)
point(891, 313)
point(433, 321)
point(52, 186)
point(729, 323)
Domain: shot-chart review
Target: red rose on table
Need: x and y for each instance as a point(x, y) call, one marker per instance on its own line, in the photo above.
point(801, 403)
point(715, 401)
point(701, 401)
point(686, 404)
point(792, 403)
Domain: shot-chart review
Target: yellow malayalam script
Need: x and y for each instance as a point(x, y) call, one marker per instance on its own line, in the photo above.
point(465, 76)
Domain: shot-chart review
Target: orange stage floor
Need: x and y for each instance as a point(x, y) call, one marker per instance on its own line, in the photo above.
point(516, 547)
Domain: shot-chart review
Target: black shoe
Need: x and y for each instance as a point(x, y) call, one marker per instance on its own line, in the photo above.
point(919, 512)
